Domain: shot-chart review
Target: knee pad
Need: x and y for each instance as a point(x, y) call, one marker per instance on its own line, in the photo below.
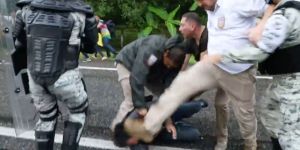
point(50, 114)
point(82, 108)
point(45, 130)
point(44, 140)
point(72, 130)
point(71, 133)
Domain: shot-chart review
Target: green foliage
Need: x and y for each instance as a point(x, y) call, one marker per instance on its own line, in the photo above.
point(144, 17)
point(170, 22)
point(152, 24)
point(160, 12)
point(145, 32)
point(173, 13)
point(171, 28)
point(193, 7)
point(102, 7)
point(150, 20)
point(132, 12)
point(165, 18)
point(120, 11)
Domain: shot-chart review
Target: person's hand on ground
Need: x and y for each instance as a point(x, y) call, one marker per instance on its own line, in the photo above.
point(170, 127)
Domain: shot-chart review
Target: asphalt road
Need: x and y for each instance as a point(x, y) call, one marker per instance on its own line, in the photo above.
point(105, 95)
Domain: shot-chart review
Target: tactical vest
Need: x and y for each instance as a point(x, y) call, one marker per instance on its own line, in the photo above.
point(49, 26)
point(48, 47)
point(286, 60)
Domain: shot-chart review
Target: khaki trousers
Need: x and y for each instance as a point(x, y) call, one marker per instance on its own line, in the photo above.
point(127, 104)
point(237, 88)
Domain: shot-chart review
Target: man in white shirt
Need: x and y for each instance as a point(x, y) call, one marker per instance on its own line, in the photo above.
point(229, 23)
point(280, 42)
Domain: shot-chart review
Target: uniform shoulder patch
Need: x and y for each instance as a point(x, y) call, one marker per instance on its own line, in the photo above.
point(151, 60)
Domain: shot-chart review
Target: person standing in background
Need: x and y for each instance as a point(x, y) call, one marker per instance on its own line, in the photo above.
point(106, 37)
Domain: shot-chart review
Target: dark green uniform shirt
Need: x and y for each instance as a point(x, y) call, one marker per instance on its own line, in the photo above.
point(143, 58)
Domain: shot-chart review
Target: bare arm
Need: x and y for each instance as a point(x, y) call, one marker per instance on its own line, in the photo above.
point(170, 127)
point(186, 62)
point(274, 34)
point(256, 32)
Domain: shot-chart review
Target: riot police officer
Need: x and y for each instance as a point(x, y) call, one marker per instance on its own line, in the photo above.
point(53, 32)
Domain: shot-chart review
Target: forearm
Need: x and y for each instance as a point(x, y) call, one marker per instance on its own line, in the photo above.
point(266, 15)
point(256, 33)
point(186, 62)
point(275, 32)
point(137, 91)
point(248, 54)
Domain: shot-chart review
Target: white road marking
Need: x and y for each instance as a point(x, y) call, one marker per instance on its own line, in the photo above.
point(97, 68)
point(84, 141)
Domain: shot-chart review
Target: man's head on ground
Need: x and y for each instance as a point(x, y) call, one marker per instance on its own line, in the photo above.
point(121, 138)
point(174, 54)
point(131, 131)
point(189, 24)
point(207, 4)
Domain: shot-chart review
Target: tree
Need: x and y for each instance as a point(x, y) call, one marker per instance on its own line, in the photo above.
point(165, 17)
point(132, 16)
point(132, 13)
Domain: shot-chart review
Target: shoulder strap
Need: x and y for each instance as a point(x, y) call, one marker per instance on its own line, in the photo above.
point(290, 4)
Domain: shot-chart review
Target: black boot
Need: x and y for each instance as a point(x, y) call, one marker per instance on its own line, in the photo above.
point(70, 136)
point(44, 140)
point(275, 143)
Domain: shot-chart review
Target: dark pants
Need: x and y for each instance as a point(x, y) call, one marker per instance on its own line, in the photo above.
point(98, 50)
point(187, 110)
point(85, 55)
point(185, 132)
point(108, 47)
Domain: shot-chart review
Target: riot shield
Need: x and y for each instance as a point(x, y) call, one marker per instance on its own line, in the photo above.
point(13, 70)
